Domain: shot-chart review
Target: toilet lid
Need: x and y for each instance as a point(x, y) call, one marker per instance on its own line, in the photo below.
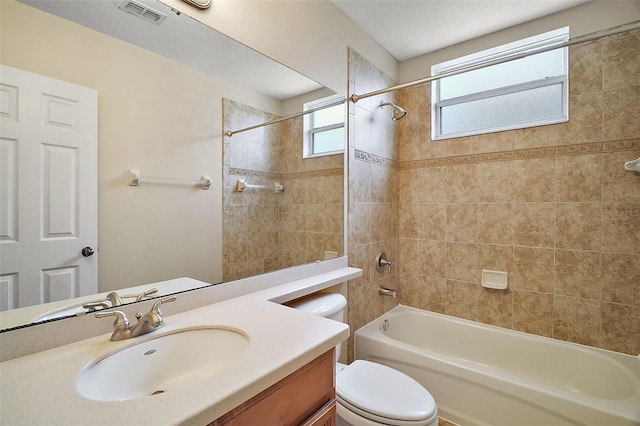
point(385, 392)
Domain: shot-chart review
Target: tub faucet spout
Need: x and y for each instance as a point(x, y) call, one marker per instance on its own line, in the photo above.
point(383, 291)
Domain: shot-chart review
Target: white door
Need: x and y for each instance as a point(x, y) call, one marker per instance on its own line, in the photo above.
point(48, 189)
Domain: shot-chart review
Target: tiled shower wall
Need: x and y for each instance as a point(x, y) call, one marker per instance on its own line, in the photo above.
point(262, 230)
point(550, 205)
point(373, 195)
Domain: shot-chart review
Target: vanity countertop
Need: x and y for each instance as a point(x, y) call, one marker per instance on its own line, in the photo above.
point(40, 388)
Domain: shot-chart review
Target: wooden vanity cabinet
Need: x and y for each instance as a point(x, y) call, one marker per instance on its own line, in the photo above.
point(305, 397)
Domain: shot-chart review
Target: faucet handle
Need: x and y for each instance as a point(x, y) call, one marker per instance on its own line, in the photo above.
point(156, 306)
point(114, 298)
point(120, 324)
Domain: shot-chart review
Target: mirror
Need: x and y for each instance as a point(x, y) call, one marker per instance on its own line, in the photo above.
point(163, 90)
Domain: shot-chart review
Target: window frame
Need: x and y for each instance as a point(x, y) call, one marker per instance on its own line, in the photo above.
point(309, 131)
point(528, 44)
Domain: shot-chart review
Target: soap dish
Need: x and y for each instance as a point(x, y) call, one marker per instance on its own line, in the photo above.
point(496, 280)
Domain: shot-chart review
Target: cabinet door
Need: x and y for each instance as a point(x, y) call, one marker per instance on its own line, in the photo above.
point(292, 400)
point(326, 416)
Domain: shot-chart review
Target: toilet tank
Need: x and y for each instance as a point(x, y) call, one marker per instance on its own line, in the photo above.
point(328, 305)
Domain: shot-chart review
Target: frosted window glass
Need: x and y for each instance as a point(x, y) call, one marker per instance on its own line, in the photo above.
point(542, 103)
point(329, 140)
point(535, 67)
point(329, 116)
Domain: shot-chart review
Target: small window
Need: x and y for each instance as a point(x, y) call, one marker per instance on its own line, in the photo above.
point(526, 92)
point(324, 129)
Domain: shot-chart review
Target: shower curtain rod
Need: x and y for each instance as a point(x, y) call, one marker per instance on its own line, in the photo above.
point(299, 114)
point(578, 40)
point(355, 98)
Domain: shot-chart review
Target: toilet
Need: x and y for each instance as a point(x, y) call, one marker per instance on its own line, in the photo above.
point(369, 393)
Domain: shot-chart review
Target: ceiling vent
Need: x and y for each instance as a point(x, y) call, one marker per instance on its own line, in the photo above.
point(142, 11)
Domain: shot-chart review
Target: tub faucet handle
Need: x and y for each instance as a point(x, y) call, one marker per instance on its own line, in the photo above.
point(382, 262)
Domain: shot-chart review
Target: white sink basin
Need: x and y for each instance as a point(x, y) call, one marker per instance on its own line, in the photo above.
point(167, 362)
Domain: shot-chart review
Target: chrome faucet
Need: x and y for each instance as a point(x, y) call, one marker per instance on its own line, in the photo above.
point(147, 323)
point(384, 291)
point(112, 300)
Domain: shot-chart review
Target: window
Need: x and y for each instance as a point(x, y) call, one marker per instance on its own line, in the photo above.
point(525, 92)
point(324, 129)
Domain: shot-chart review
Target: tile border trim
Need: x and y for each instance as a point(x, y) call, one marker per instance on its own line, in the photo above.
point(523, 154)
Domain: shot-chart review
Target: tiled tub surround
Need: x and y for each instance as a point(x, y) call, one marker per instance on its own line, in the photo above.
point(264, 231)
point(550, 205)
point(373, 194)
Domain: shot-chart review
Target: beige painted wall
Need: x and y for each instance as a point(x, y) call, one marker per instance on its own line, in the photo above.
point(310, 36)
point(165, 123)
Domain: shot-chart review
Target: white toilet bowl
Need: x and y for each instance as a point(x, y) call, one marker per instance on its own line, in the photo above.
point(371, 394)
point(374, 394)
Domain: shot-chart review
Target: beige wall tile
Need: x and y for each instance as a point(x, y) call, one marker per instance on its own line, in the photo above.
point(432, 219)
point(408, 259)
point(533, 224)
point(621, 108)
point(585, 67)
point(496, 142)
point(424, 292)
point(461, 262)
point(495, 307)
point(534, 179)
point(427, 185)
point(620, 328)
point(621, 228)
point(578, 226)
point(496, 258)
point(431, 258)
point(409, 221)
point(621, 278)
point(578, 273)
point(495, 182)
point(579, 178)
point(495, 223)
point(621, 64)
point(576, 320)
point(462, 222)
point(533, 312)
point(462, 146)
point(585, 119)
point(462, 184)
point(462, 299)
point(538, 137)
point(618, 184)
point(360, 225)
point(533, 269)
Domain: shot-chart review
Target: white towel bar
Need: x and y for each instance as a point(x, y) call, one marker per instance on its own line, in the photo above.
point(135, 179)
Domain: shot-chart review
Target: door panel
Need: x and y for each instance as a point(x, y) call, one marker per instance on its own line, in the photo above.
point(48, 201)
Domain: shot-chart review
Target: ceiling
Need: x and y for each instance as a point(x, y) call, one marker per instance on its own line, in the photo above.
point(410, 28)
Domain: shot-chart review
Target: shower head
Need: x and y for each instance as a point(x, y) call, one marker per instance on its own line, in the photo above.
point(398, 111)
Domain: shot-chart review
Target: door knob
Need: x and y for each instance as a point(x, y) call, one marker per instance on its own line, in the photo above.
point(87, 251)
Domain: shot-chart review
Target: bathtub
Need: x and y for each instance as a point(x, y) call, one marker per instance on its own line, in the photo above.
point(485, 375)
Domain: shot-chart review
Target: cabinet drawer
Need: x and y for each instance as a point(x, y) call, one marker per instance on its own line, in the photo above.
point(292, 400)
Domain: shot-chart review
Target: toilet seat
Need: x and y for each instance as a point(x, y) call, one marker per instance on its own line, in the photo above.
point(384, 395)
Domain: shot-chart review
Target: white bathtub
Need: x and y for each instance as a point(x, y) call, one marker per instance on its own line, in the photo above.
point(485, 375)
